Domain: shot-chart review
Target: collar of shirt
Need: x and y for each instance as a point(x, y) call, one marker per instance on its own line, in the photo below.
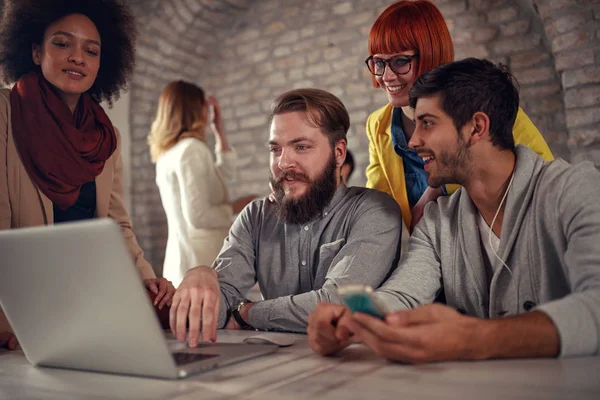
point(414, 166)
point(399, 138)
point(339, 194)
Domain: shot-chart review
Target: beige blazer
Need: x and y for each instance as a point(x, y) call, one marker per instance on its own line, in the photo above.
point(22, 204)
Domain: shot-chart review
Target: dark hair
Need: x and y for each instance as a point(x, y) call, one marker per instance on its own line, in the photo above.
point(323, 109)
point(349, 160)
point(472, 85)
point(24, 23)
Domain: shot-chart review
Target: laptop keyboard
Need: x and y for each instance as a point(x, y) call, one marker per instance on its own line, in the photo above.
point(188, 358)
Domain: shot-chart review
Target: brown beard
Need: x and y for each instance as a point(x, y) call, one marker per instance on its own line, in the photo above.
point(318, 195)
point(453, 166)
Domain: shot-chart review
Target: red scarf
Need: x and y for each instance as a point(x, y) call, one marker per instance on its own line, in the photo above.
point(60, 150)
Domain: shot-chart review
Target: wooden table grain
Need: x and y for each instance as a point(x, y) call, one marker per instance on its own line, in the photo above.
point(297, 373)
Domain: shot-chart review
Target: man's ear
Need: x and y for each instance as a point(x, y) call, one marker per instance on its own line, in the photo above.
point(479, 127)
point(35, 54)
point(340, 153)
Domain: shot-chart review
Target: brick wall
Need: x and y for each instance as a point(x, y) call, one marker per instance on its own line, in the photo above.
point(573, 31)
point(249, 51)
point(258, 49)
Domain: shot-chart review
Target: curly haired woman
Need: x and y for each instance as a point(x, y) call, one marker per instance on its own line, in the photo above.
point(60, 157)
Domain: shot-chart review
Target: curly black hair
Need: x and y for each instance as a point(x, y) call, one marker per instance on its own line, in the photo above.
point(24, 23)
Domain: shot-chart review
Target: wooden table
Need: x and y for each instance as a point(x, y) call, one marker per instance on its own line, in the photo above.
point(296, 373)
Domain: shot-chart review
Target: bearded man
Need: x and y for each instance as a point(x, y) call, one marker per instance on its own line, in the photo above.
point(317, 235)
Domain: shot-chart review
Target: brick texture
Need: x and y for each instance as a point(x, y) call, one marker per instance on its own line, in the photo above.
point(572, 30)
point(247, 52)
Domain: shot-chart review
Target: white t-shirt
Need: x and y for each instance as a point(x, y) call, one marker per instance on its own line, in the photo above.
point(490, 263)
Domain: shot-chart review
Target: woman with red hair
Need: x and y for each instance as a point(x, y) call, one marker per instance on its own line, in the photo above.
point(408, 39)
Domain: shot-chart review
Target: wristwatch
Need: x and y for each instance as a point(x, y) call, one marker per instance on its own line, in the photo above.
point(235, 311)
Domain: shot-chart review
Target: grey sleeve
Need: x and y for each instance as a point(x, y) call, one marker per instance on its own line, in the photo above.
point(577, 316)
point(235, 263)
point(367, 255)
point(418, 278)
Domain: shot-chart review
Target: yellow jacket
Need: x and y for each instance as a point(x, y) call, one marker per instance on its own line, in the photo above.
point(386, 170)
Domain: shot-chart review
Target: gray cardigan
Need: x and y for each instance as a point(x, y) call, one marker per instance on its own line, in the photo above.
point(550, 241)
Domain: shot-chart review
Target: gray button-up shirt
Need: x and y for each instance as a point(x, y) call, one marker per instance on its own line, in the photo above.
point(354, 240)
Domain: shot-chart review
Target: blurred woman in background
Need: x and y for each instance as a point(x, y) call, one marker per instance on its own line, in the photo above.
point(192, 185)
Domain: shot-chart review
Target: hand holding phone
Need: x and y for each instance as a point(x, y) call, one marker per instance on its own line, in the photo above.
point(361, 298)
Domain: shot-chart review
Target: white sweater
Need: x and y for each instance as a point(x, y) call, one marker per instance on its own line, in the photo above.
point(194, 196)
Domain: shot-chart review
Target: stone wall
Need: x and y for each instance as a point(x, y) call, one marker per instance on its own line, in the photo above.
point(249, 51)
point(284, 44)
point(252, 51)
point(573, 32)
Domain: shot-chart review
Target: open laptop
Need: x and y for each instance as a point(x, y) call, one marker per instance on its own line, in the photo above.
point(75, 300)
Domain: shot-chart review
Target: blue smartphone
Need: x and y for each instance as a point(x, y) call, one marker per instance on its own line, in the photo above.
point(360, 298)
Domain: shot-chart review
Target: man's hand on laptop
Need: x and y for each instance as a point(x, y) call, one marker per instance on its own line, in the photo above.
point(8, 340)
point(197, 298)
point(163, 289)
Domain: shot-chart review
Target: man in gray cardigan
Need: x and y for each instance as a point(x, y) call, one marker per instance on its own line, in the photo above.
point(317, 235)
point(515, 251)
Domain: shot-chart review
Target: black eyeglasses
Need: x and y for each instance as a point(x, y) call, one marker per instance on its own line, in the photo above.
point(400, 65)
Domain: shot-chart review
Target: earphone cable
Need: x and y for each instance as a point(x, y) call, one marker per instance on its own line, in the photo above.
point(490, 239)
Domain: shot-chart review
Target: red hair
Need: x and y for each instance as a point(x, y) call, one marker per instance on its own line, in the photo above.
point(413, 25)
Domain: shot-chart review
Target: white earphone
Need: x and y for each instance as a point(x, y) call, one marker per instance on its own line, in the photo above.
point(490, 238)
